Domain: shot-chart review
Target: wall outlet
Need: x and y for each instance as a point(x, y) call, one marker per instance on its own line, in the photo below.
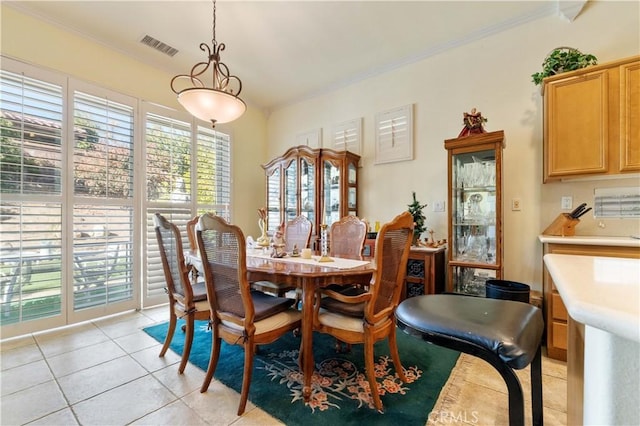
point(515, 204)
point(566, 203)
point(438, 206)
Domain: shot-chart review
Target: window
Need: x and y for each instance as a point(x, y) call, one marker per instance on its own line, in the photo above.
point(31, 158)
point(394, 135)
point(75, 212)
point(347, 136)
point(177, 190)
point(102, 201)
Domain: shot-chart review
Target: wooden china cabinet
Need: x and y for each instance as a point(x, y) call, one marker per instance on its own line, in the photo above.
point(475, 211)
point(319, 183)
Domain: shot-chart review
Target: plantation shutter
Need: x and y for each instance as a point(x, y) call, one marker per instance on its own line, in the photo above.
point(394, 135)
point(168, 176)
point(214, 172)
point(31, 117)
point(103, 217)
point(347, 136)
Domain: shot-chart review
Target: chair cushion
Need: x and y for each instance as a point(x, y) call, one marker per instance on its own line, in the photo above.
point(511, 330)
point(279, 320)
point(355, 310)
point(266, 305)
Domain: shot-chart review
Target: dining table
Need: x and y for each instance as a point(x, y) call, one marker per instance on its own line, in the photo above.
point(308, 275)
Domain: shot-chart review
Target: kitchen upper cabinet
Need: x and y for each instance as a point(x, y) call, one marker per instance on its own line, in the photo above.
point(592, 121)
point(321, 184)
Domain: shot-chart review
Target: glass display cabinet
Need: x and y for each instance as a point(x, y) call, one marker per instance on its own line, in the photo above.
point(475, 211)
point(339, 185)
point(321, 184)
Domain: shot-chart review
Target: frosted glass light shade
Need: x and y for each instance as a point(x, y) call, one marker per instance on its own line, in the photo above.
point(212, 105)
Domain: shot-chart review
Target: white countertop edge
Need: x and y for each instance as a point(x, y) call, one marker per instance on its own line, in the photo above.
point(591, 240)
point(575, 292)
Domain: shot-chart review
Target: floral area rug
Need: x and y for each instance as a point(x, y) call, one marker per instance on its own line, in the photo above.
point(340, 390)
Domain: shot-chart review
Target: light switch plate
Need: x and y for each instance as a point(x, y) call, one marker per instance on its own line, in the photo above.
point(438, 206)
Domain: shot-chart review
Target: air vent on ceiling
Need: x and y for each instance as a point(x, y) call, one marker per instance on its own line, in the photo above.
point(158, 45)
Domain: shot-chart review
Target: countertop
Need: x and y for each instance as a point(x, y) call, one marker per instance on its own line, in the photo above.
point(602, 292)
point(591, 241)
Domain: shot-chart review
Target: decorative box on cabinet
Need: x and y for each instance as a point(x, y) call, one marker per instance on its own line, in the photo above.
point(475, 211)
point(425, 272)
point(592, 121)
point(321, 184)
point(555, 311)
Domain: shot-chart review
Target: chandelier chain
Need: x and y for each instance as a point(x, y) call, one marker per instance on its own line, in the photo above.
point(213, 41)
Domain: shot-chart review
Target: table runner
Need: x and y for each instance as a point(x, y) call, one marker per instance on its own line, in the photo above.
point(338, 263)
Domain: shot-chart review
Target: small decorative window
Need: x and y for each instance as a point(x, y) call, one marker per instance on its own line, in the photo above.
point(312, 138)
point(394, 135)
point(347, 136)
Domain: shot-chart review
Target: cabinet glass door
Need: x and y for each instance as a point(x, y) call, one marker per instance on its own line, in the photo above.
point(352, 201)
point(331, 204)
point(471, 280)
point(290, 192)
point(273, 199)
point(474, 207)
point(307, 189)
point(475, 255)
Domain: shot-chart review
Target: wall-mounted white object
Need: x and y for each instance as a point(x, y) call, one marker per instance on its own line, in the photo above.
point(312, 138)
point(347, 136)
point(394, 135)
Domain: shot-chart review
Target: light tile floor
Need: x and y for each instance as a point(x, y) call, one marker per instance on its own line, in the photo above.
point(107, 372)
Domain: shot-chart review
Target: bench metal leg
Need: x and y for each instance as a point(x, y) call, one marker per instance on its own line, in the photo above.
point(536, 388)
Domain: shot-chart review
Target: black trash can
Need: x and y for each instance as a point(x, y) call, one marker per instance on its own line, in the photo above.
point(507, 290)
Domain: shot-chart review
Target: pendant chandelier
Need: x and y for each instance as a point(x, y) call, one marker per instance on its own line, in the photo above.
point(219, 103)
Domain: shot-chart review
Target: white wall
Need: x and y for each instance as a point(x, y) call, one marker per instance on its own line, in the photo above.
point(493, 75)
point(38, 43)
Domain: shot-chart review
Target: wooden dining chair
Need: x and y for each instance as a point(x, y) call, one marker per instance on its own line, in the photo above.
point(346, 237)
point(185, 300)
point(239, 316)
point(368, 316)
point(297, 233)
point(191, 233)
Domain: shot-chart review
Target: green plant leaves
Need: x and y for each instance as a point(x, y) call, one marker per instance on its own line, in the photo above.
point(563, 59)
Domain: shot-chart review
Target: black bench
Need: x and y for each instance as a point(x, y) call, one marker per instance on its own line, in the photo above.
point(507, 334)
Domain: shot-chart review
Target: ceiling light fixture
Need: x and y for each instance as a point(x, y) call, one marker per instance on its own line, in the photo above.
point(219, 103)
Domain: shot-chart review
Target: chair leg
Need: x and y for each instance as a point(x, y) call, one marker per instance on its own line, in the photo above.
point(536, 389)
point(213, 359)
point(170, 331)
point(371, 374)
point(246, 375)
point(395, 356)
point(188, 340)
point(516, 398)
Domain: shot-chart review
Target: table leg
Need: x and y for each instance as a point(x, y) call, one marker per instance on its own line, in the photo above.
point(307, 336)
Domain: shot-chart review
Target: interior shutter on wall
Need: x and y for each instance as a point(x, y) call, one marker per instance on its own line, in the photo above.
point(347, 136)
point(394, 135)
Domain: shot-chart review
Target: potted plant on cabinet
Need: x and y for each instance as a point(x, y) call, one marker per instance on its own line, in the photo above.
point(563, 59)
point(416, 210)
